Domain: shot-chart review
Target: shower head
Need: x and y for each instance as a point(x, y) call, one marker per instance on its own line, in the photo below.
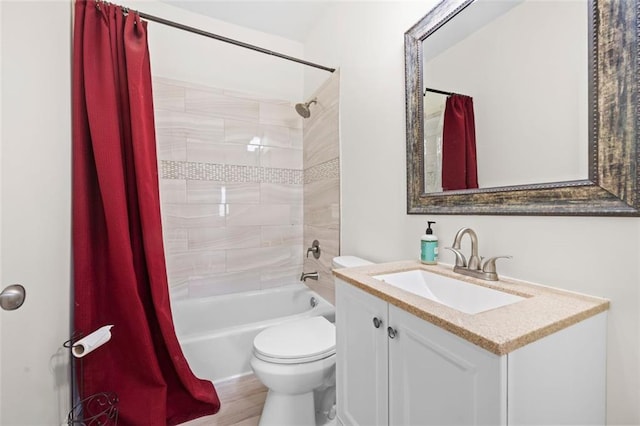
point(303, 109)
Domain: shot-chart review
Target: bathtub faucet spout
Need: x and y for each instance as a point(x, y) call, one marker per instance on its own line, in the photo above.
point(311, 275)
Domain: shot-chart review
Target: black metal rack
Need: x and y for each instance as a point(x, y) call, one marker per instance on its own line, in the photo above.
point(99, 409)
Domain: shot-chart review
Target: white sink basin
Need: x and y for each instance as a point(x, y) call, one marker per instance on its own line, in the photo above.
point(462, 296)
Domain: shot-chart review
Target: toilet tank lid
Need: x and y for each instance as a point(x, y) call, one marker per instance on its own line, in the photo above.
point(349, 262)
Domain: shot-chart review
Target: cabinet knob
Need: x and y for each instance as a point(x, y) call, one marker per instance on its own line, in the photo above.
point(377, 322)
point(392, 332)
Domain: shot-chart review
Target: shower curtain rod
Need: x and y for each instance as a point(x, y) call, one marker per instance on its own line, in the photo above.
point(440, 92)
point(225, 39)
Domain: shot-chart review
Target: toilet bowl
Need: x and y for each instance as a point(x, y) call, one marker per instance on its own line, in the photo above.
point(296, 362)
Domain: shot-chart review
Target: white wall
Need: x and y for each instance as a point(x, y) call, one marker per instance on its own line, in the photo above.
point(529, 91)
point(598, 256)
point(183, 56)
point(36, 204)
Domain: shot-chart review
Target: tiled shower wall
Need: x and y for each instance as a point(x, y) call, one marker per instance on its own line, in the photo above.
point(322, 184)
point(231, 184)
point(434, 105)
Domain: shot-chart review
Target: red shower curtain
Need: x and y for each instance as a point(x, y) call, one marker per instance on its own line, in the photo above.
point(459, 166)
point(119, 266)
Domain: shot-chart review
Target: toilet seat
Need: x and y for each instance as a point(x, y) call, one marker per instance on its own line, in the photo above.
point(296, 342)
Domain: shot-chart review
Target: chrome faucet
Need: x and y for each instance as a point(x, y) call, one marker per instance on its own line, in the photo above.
point(310, 275)
point(474, 260)
point(475, 267)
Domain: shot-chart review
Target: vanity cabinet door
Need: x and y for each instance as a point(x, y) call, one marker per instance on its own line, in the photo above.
point(362, 357)
point(437, 378)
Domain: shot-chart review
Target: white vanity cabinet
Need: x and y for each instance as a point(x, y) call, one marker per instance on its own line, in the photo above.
point(362, 381)
point(416, 373)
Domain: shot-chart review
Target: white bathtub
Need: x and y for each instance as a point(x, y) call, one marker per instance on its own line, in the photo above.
point(216, 333)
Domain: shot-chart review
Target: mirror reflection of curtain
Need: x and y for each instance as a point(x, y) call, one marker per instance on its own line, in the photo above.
point(459, 164)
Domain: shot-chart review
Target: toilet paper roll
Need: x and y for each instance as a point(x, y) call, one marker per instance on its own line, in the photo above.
point(91, 342)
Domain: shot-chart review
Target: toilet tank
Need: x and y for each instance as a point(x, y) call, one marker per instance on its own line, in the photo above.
point(348, 262)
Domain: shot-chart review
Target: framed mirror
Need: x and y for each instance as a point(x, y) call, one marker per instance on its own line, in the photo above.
point(609, 143)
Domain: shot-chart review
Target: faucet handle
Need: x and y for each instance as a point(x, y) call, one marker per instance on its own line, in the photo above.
point(460, 259)
point(490, 264)
point(315, 249)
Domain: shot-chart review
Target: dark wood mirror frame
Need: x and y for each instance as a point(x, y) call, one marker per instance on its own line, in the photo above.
point(614, 174)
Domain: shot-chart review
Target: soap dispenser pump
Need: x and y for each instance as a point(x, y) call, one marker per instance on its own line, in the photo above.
point(429, 246)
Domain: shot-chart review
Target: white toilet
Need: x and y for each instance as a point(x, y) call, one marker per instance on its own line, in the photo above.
point(296, 361)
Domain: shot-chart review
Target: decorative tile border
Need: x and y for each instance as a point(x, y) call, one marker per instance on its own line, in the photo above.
point(327, 170)
point(190, 170)
point(228, 172)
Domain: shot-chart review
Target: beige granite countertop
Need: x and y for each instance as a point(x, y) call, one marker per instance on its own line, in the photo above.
point(501, 330)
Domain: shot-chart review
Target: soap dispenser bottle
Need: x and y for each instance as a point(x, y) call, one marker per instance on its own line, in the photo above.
point(429, 246)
